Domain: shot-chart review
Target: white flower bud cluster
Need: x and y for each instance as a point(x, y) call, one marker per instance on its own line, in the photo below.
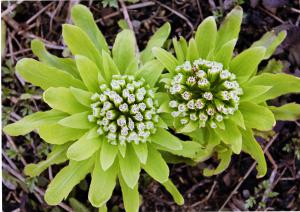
point(125, 111)
point(202, 91)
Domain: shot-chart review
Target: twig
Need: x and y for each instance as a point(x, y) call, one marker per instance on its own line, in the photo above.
point(18, 52)
point(12, 143)
point(11, 163)
point(13, 24)
point(178, 14)
point(200, 10)
point(294, 10)
point(11, 8)
point(36, 189)
point(38, 13)
point(130, 7)
point(126, 15)
point(207, 197)
point(128, 21)
point(246, 175)
point(271, 14)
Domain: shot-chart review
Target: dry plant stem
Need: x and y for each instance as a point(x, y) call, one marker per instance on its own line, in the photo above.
point(14, 25)
point(295, 10)
point(247, 174)
point(207, 197)
point(38, 13)
point(271, 14)
point(129, 23)
point(11, 163)
point(200, 10)
point(126, 15)
point(178, 14)
point(11, 8)
point(37, 190)
point(10, 140)
point(130, 7)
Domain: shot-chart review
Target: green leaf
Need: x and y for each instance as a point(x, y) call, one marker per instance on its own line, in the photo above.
point(257, 116)
point(190, 127)
point(192, 51)
point(178, 51)
point(89, 73)
point(66, 179)
point(156, 166)
point(238, 119)
point(281, 84)
point(79, 43)
point(84, 148)
point(166, 58)
point(162, 97)
point(78, 206)
point(230, 27)
point(206, 36)
point(288, 112)
point(124, 49)
point(57, 134)
point(64, 64)
point(166, 139)
point(123, 24)
point(82, 96)
point(122, 150)
point(251, 92)
point(274, 67)
point(151, 72)
point(109, 67)
point(103, 208)
point(32, 122)
point(231, 135)
point(83, 18)
point(189, 149)
point(270, 41)
point(251, 147)
point(245, 64)
point(132, 68)
point(130, 167)
point(57, 156)
point(183, 44)
point(130, 196)
point(102, 184)
point(141, 151)
point(62, 99)
point(108, 154)
point(45, 76)
point(77, 121)
point(225, 158)
point(156, 40)
point(225, 53)
point(171, 188)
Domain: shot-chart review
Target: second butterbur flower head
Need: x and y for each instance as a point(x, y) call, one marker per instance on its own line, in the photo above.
point(219, 99)
point(105, 117)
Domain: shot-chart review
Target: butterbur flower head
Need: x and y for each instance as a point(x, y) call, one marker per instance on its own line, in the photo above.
point(218, 99)
point(208, 94)
point(105, 117)
point(125, 110)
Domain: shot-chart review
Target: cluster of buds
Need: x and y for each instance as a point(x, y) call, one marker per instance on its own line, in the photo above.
point(202, 91)
point(125, 111)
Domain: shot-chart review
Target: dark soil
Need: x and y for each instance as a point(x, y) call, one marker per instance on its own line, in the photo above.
point(28, 20)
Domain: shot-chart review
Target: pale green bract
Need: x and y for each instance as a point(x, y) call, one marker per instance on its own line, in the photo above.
point(218, 99)
point(105, 115)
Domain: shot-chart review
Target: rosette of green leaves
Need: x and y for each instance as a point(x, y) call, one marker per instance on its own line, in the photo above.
point(213, 50)
point(71, 85)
